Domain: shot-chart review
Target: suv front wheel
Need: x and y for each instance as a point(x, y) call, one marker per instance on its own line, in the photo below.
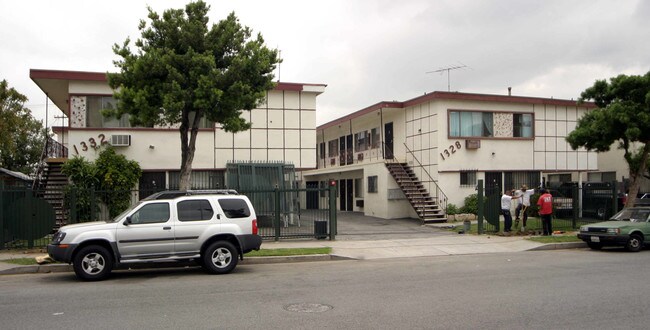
point(220, 257)
point(92, 263)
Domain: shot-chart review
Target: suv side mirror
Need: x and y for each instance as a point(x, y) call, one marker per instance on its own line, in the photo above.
point(127, 221)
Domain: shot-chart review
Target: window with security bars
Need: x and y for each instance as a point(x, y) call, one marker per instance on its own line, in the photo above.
point(468, 178)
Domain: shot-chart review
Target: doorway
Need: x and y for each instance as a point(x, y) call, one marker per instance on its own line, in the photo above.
point(346, 194)
point(388, 141)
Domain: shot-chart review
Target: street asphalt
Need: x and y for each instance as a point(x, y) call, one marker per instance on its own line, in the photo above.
point(361, 238)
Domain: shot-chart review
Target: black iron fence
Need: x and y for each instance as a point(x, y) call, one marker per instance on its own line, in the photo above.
point(573, 205)
point(28, 217)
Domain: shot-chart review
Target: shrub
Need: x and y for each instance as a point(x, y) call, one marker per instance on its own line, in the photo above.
point(452, 209)
point(471, 204)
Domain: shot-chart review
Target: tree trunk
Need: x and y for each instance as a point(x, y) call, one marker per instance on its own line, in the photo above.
point(635, 177)
point(188, 147)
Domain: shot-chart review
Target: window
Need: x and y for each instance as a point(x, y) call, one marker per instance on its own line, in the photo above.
point(601, 177)
point(321, 150)
point(358, 188)
point(361, 142)
point(151, 213)
point(522, 125)
point(470, 124)
point(203, 122)
point(333, 148)
point(559, 177)
point(234, 208)
point(94, 117)
point(372, 184)
point(468, 178)
point(374, 138)
point(194, 210)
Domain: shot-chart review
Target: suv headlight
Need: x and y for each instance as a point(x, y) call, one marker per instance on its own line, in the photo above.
point(613, 230)
point(58, 237)
point(584, 228)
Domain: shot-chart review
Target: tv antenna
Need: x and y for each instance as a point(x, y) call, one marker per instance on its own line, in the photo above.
point(441, 70)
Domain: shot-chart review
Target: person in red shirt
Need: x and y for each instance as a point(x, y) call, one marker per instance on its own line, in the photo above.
point(545, 203)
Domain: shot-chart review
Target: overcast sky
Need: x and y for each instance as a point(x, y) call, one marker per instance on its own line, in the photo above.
point(365, 51)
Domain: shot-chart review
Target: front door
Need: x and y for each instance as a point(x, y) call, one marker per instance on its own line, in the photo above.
point(149, 235)
point(342, 193)
point(312, 195)
point(346, 194)
point(151, 182)
point(349, 194)
point(388, 141)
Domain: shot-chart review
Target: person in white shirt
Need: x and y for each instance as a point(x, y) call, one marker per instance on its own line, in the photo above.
point(525, 201)
point(520, 205)
point(506, 204)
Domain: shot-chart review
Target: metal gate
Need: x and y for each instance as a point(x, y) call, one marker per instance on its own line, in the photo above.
point(282, 213)
point(492, 206)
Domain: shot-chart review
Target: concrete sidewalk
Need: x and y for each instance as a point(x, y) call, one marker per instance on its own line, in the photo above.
point(440, 245)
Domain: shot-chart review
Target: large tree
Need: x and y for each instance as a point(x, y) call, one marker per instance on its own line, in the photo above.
point(185, 70)
point(21, 135)
point(622, 119)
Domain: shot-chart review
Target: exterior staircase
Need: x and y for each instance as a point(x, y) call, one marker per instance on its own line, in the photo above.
point(52, 188)
point(423, 204)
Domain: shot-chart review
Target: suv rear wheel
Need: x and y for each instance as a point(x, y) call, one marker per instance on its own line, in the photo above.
point(92, 263)
point(220, 257)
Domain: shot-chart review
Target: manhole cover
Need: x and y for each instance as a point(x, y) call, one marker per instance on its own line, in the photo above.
point(308, 308)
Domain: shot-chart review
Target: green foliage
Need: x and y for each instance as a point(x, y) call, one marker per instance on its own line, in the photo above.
point(470, 205)
point(452, 209)
point(185, 70)
point(112, 174)
point(117, 176)
point(79, 196)
point(21, 136)
point(623, 116)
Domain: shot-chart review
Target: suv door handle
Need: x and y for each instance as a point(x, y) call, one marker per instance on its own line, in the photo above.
point(167, 228)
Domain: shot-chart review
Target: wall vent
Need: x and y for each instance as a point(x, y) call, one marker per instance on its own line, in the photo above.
point(120, 140)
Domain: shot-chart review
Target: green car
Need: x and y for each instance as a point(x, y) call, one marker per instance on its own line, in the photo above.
point(628, 228)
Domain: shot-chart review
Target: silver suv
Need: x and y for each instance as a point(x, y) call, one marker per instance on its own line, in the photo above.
point(214, 228)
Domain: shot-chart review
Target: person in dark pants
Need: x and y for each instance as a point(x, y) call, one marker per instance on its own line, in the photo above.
point(545, 203)
point(506, 204)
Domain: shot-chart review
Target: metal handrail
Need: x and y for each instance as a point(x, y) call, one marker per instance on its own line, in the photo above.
point(440, 196)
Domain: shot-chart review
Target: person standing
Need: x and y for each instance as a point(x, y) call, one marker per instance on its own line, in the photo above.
point(525, 201)
point(506, 204)
point(545, 203)
point(518, 194)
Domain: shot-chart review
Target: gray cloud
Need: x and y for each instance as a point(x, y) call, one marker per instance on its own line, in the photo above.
point(366, 51)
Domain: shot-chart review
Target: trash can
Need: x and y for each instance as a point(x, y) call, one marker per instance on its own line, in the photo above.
point(320, 229)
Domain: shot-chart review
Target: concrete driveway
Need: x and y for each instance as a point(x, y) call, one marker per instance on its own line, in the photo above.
point(355, 226)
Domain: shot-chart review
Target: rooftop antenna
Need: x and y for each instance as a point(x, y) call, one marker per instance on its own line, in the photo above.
point(449, 68)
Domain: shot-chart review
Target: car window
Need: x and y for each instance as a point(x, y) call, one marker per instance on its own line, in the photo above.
point(151, 213)
point(633, 215)
point(234, 208)
point(194, 210)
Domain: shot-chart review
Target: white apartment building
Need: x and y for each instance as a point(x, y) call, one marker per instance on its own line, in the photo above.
point(283, 131)
point(449, 140)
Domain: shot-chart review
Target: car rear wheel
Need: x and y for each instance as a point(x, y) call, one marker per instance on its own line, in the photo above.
point(634, 244)
point(220, 257)
point(594, 246)
point(93, 263)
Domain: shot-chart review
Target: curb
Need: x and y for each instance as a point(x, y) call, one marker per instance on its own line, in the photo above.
point(61, 268)
point(560, 246)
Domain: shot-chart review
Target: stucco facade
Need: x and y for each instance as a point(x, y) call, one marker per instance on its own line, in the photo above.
point(283, 129)
point(450, 140)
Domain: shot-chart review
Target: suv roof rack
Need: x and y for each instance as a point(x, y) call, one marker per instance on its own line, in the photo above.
point(172, 194)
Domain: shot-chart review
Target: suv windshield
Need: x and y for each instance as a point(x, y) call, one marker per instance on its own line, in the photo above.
point(633, 215)
point(121, 215)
